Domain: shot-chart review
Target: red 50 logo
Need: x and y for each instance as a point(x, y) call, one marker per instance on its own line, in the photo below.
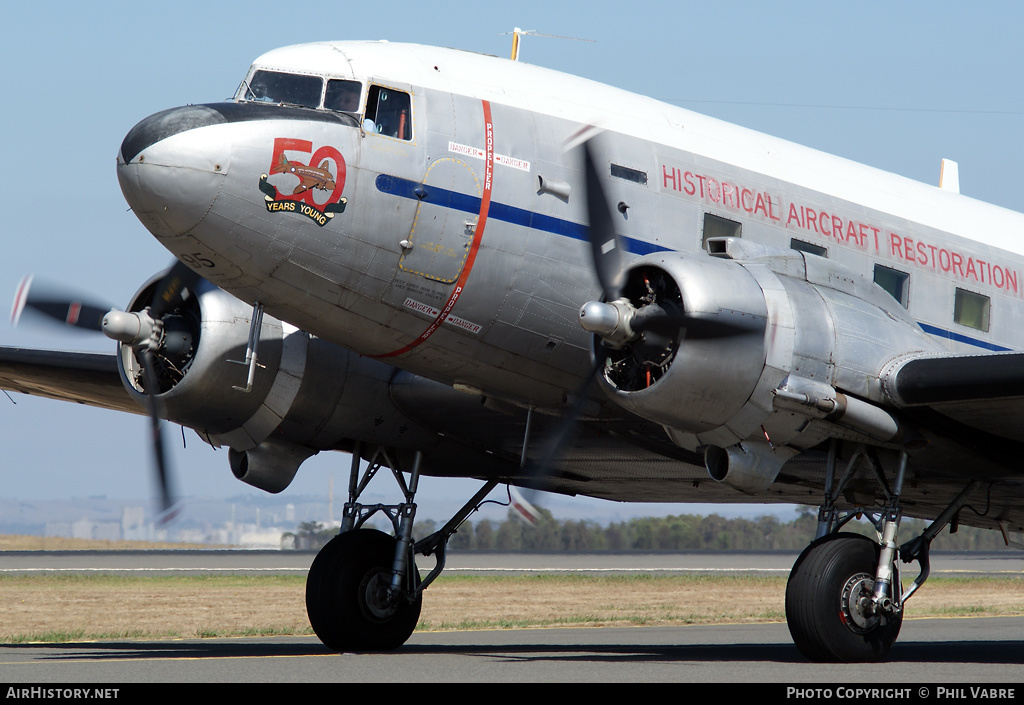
point(296, 191)
point(325, 171)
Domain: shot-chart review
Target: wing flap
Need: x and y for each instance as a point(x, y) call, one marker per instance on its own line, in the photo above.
point(84, 378)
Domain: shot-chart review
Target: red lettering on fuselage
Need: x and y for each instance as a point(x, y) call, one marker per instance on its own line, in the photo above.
point(925, 255)
point(819, 223)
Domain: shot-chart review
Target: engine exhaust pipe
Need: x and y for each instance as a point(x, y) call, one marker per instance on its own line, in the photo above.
point(270, 466)
point(749, 467)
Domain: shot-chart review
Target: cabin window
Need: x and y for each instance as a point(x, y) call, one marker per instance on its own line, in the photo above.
point(634, 175)
point(714, 226)
point(389, 113)
point(970, 309)
point(895, 282)
point(801, 246)
point(343, 95)
point(285, 89)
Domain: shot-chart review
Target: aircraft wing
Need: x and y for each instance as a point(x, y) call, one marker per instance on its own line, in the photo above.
point(982, 392)
point(86, 378)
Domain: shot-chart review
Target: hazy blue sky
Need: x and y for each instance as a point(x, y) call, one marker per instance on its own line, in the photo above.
point(894, 85)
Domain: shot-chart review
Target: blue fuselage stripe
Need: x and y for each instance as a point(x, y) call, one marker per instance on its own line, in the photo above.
point(960, 338)
point(528, 219)
point(444, 198)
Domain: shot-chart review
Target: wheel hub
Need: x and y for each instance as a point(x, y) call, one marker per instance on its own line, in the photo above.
point(377, 601)
point(856, 607)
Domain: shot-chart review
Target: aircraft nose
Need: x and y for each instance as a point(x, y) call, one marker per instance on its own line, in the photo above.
point(171, 167)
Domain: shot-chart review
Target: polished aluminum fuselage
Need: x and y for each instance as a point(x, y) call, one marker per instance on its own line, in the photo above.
point(486, 130)
point(459, 250)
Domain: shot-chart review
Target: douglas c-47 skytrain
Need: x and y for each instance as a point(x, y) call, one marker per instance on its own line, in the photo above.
point(459, 265)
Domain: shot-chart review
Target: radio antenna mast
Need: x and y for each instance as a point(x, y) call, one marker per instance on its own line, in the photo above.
point(517, 33)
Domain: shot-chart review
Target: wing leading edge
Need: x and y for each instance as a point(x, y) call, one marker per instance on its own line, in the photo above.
point(984, 392)
point(85, 378)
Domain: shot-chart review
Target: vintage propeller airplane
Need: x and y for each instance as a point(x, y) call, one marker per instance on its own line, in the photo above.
point(452, 264)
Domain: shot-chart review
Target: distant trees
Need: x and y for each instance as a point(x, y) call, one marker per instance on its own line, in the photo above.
point(684, 533)
point(309, 535)
point(673, 533)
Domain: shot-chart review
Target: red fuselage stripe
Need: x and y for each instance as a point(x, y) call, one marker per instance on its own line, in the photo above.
point(485, 204)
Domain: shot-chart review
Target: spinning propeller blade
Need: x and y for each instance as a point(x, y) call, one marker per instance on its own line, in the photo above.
point(605, 244)
point(168, 509)
point(607, 259)
point(616, 321)
point(58, 304)
point(170, 292)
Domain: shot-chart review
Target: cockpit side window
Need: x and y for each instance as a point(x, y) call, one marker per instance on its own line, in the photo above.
point(388, 112)
point(343, 95)
point(285, 88)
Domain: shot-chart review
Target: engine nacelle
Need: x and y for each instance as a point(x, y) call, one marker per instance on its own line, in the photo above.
point(307, 394)
point(769, 346)
point(196, 376)
point(695, 382)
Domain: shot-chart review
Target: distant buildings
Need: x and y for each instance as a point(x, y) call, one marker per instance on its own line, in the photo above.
point(134, 526)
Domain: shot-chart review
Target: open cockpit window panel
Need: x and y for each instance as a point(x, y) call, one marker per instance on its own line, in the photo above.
point(971, 309)
point(284, 89)
point(388, 113)
point(343, 95)
point(895, 282)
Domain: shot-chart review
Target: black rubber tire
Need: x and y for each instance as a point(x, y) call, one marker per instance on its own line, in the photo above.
point(820, 626)
point(337, 589)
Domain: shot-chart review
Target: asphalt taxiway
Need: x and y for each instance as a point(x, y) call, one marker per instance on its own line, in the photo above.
point(929, 651)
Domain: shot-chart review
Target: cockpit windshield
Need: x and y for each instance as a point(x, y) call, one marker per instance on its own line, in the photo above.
point(284, 89)
point(343, 95)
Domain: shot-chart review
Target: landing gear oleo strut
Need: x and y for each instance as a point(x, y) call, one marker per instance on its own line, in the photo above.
point(844, 599)
point(364, 592)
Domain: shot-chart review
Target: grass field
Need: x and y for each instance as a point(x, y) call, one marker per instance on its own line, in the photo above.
point(72, 607)
point(19, 542)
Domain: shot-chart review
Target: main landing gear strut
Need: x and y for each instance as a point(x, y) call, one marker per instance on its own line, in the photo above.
point(363, 591)
point(844, 599)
